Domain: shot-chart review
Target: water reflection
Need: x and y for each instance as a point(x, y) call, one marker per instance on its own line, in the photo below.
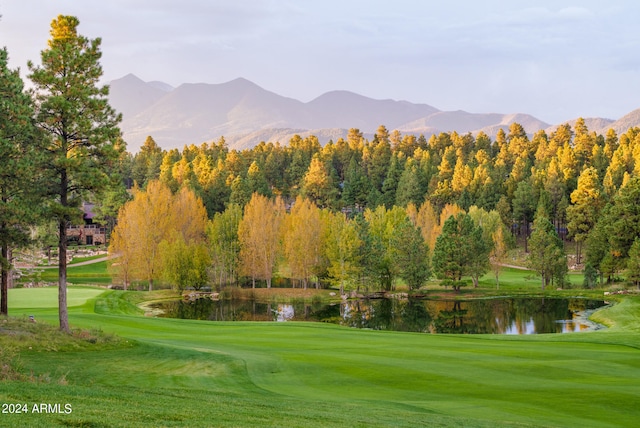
point(490, 316)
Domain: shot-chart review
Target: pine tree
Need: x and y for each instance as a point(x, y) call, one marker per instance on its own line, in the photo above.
point(412, 254)
point(633, 264)
point(524, 205)
point(453, 250)
point(82, 128)
point(547, 256)
point(20, 149)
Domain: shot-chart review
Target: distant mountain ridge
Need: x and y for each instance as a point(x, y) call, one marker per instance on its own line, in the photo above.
point(246, 114)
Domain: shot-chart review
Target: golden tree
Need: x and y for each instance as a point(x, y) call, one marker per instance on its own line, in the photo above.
point(189, 215)
point(154, 216)
point(427, 221)
point(259, 236)
point(122, 248)
point(302, 240)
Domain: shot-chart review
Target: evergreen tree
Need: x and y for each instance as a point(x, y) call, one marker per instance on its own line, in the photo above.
point(624, 219)
point(240, 192)
point(633, 263)
point(547, 256)
point(409, 188)
point(20, 149)
point(146, 163)
point(453, 250)
point(356, 186)
point(82, 128)
point(256, 181)
point(390, 184)
point(524, 205)
point(412, 255)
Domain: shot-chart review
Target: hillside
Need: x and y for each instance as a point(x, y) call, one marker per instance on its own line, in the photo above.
point(246, 114)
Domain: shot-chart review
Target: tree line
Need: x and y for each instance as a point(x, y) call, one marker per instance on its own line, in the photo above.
point(577, 179)
point(164, 236)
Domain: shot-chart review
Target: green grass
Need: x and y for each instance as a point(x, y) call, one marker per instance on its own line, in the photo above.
point(94, 273)
point(193, 373)
point(86, 258)
point(47, 297)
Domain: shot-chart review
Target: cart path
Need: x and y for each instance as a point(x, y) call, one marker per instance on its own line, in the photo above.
point(88, 262)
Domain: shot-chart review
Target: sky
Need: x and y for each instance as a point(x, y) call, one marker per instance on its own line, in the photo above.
point(556, 59)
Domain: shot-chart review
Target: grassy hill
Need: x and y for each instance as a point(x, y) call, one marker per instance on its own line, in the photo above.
point(167, 372)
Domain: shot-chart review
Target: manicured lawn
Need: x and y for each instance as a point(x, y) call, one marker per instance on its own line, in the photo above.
point(47, 297)
point(194, 373)
point(94, 273)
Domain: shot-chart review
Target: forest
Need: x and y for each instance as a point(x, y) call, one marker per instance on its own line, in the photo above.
point(364, 213)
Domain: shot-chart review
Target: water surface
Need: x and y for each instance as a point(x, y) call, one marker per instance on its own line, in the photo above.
point(486, 316)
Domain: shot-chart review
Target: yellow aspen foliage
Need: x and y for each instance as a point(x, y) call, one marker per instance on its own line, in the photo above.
point(148, 220)
point(427, 221)
point(462, 176)
point(412, 213)
point(259, 235)
point(448, 211)
point(122, 249)
point(189, 216)
point(302, 240)
point(153, 216)
point(568, 162)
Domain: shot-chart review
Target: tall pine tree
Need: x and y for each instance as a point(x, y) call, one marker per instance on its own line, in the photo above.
point(19, 152)
point(81, 126)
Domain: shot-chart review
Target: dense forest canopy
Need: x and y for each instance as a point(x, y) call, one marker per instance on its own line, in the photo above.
point(577, 179)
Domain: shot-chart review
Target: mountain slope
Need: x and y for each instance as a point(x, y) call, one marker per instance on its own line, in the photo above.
point(130, 95)
point(245, 114)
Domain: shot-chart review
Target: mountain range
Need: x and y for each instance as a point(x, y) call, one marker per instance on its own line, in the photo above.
point(246, 114)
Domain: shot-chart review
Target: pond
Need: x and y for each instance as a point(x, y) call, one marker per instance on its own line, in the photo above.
point(486, 316)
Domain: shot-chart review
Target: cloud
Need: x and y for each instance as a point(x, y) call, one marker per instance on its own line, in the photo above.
point(494, 55)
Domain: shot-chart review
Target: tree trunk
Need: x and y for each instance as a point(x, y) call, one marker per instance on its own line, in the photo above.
point(151, 284)
point(4, 286)
point(63, 313)
point(526, 235)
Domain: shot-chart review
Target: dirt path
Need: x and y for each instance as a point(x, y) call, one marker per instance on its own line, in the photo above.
point(88, 262)
point(514, 266)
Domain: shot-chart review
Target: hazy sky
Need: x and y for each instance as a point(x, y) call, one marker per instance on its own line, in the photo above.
point(554, 59)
